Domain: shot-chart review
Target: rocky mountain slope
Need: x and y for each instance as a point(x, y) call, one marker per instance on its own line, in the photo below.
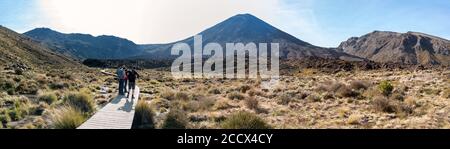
point(406, 48)
point(19, 51)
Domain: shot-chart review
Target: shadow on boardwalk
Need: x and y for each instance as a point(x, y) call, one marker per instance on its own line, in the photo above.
point(118, 114)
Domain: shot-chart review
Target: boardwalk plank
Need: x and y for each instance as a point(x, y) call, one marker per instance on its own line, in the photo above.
point(118, 114)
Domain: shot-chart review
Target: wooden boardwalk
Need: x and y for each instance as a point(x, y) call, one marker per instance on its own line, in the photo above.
point(118, 114)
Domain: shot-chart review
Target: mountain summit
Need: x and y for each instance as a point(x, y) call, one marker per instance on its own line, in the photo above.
point(245, 28)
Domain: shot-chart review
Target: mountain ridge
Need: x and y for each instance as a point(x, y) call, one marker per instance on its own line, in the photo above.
point(393, 47)
point(17, 50)
point(82, 46)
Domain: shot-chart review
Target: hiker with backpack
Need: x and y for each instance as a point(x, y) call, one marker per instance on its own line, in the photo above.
point(132, 76)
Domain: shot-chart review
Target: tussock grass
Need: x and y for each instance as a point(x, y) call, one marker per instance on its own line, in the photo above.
point(143, 117)
point(82, 101)
point(48, 98)
point(244, 120)
point(175, 119)
point(68, 117)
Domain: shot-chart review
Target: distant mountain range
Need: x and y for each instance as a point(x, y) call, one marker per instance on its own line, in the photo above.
point(383, 47)
point(240, 28)
point(19, 51)
point(83, 46)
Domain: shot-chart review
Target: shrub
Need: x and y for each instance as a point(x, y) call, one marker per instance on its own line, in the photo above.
point(159, 103)
point(244, 120)
point(66, 76)
point(254, 92)
point(18, 71)
point(221, 105)
point(313, 98)
point(284, 99)
point(252, 103)
point(354, 119)
point(181, 96)
point(191, 106)
point(446, 93)
point(15, 114)
point(244, 88)
point(383, 104)
point(39, 110)
point(397, 96)
point(4, 118)
point(303, 95)
point(236, 95)
point(27, 87)
point(83, 101)
point(58, 86)
point(344, 91)
point(386, 88)
point(143, 117)
point(175, 119)
point(39, 123)
point(167, 94)
point(9, 86)
point(68, 118)
point(335, 87)
point(205, 103)
point(430, 91)
point(358, 85)
point(327, 95)
point(214, 91)
point(48, 98)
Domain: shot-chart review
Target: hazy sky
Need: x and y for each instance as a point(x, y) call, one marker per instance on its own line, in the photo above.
point(320, 22)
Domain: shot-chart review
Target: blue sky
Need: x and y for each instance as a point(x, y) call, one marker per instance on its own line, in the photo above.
point(320, 22)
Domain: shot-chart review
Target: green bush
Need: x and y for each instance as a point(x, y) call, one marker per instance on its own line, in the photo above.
point(143, 118)
point(176, 119)
point(15, 114)
point(83, 101)
point(386, 88)
point(9, 86)
point(68, 118)
point(4, 118)
point(244, 120)
point(48, 98)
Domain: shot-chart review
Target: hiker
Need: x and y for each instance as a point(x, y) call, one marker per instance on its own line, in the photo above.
point(120, 77)
point(132, 76)
point(125, 80)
